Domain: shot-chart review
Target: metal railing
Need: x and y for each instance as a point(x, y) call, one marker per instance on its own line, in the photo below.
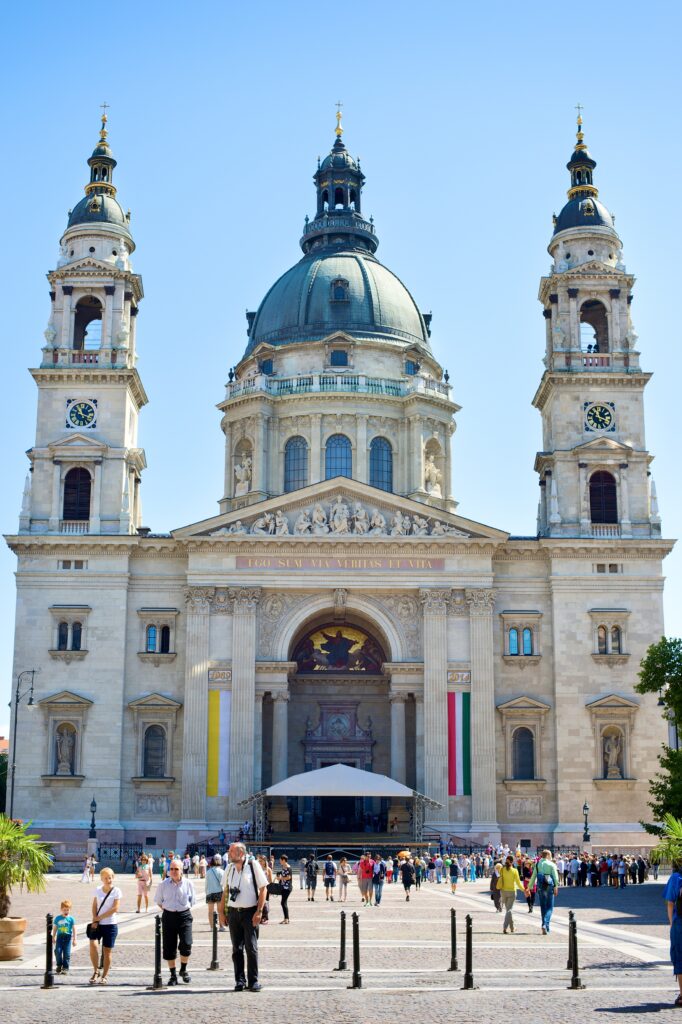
point(336, 382)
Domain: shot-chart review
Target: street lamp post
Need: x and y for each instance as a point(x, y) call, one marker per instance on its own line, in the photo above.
point(92, 834)
point(18, 695)
point(586, 831)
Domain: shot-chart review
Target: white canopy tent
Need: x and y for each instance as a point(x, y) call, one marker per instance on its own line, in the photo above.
point(340, 780)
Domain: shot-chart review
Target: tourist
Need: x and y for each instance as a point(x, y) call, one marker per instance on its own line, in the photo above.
point(175, 897)
point(560, 868)
point(144, 883)
point(495, 894)
point(343, 874)
point(195, 865)
point(389, 869)
point(63, 936)
point(438, 865)
point(285, 881)
point(301, 871)
point(546, 876)
point(311, 869)
point(203, 864)
point(407, 872)
point(378, 878)
point(245, 892)
point(104, 924)
point(508, 883)
point(93, 865)
point(419, 871)
point(85, 877)
point(526, 873)
point(186, 864)
point(365, 877)
point(673, 903)
point(453, 872)
point(215, 879)
point(269, 878)
point(329, 878)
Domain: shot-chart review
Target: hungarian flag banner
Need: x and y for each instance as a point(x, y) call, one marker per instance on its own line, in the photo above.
point(459, 744)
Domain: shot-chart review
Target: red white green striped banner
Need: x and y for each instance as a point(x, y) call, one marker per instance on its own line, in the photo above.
point(459, 744)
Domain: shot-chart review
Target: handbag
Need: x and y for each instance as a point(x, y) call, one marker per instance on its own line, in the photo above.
point(92, 928)
point(275, 889)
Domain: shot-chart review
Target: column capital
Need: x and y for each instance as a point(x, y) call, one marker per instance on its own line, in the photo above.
point(397, 698)
point(480, 601)
point(198, 599)
point(246, 599)
point(280, 698)
point(435, 600)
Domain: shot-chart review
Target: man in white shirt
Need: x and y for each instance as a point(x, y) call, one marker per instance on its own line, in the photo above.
point(241, 907)
point(560, 866)
point(175, 896)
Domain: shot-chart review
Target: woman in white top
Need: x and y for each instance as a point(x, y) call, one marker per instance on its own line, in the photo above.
point(144, 883)
point(105, 922)
point(215, 877)
point(85, 877)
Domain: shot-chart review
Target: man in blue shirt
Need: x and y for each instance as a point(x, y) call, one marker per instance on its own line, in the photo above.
point(175, 897)
point(671, 895)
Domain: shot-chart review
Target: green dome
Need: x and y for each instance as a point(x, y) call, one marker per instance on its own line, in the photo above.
point(338, 290)
point(99, 209)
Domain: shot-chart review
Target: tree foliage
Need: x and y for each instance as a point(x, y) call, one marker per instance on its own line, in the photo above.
point(3, 779)
point(661, 673)
point(670, 846)
point(24, 860)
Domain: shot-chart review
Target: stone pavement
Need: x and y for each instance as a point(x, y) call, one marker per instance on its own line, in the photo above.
point(405, 955)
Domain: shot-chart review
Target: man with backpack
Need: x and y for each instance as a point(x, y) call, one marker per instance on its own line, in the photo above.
point(311, 870)
point(329, 878)
point(546, 877)
point(378, 878)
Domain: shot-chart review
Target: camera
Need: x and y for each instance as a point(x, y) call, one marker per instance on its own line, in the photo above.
point(234, 892)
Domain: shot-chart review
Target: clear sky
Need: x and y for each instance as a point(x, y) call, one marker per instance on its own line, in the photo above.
point(464, 117)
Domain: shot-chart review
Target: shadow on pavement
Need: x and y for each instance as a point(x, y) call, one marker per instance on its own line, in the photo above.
point(642, 1008)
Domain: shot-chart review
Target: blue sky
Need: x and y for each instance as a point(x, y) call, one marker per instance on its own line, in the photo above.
point(463, 116)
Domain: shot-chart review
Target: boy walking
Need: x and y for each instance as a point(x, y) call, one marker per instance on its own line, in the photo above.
point(64, 936)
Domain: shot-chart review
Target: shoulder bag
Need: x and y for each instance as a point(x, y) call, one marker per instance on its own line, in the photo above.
point(92, 928)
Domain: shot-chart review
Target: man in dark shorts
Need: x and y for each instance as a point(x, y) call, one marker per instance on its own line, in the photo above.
point(311, 869)
point(407, 874)
point(175, 896)
point(329, 877)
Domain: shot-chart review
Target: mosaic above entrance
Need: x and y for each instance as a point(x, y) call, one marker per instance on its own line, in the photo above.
point(339, 649)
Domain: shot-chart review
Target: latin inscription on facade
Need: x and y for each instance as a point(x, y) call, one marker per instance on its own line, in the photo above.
point(336, 564)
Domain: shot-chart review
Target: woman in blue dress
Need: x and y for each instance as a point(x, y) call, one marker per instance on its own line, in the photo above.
point(673, 891)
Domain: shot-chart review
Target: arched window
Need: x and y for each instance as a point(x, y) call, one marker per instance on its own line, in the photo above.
point(523, 754)
point(527, 641)
point(154, 758)
point(150, 642)
point(338, 197)
point(601, 640)
point(338, 457)
point(381, 464)
point(513, 641)
point(76, 634)
point(603, 499)
point(340, 290)
point(593, 314)
point(62, 636)
point(77, 486)
point(616, 640)
point(87, 328)
point(165, 640)
point(295, 464)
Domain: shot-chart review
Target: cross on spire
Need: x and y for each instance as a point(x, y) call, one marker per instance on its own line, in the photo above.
point(579, 107)
point(103, 132)
point(339, 127)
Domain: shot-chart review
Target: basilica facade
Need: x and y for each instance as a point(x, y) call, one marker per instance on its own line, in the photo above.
point(338, 609)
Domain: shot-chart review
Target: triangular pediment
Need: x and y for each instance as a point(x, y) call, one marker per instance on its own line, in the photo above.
point(65, 699)
point(592, 267)
point(603, 444)
point(90, 263)
point(77, 439)
point(154, 700)
point(612, 701)
point(523, 703)
point(366, 509)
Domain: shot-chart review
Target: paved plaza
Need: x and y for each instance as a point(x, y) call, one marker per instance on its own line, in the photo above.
point(405, 956)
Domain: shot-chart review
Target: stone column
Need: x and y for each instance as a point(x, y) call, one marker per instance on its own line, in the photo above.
point(55, 516)
point(583, 504)
point(416, 454)
point(435, 603)
point(242, 745)
point(361, 468)
point(95, 515)
point(280, 736)
point(315, 449)
point(625, 524)
point(398, 736)
point(419, 741)
point(573, 321)
point(258, 743)
point(195, 711)
point(67, 335)
point(260, 455)
point(483, 782)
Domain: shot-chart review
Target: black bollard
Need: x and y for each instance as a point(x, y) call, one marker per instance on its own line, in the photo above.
point(157, 981)
point(215, 966)
point(576, 983)
point(343, 966)
point(569, 962)
point(469, 956)
point(357, 977)
point(48, 978)
point(453, 940)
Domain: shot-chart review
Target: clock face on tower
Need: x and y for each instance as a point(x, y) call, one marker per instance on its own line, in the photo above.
point(599, 417)
point(81, 414)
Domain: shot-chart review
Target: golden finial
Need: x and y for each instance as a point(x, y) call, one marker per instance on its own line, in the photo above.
point(103, 130)
point(579, 134)
point(338, 131)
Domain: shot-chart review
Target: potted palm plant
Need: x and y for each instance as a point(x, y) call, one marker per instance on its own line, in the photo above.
point(23, 863)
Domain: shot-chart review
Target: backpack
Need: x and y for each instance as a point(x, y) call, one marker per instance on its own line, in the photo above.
point(311, 869)
point(381, 873)
point(546, 881)
point(329, 868)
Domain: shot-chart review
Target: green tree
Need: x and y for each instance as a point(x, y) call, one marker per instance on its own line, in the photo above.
point(661, 673)
point(24, 860)
point(3, 780)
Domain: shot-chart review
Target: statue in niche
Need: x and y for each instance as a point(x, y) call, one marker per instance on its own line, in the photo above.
point(432, 478)
point(63, 254)
point(360, 519)
point(50, 333)
point(612, 750)
point(65, 742)
point(303, 525)
point(319, 520)
point(122, 257)
point(281, 524)
point(264, 525)
point(242, 473)
point(339, 516)
point(377, 523)
point(420, 526)
point(559, 337)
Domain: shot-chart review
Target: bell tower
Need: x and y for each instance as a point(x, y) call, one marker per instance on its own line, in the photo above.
point(594, 466)
point(85, 464)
